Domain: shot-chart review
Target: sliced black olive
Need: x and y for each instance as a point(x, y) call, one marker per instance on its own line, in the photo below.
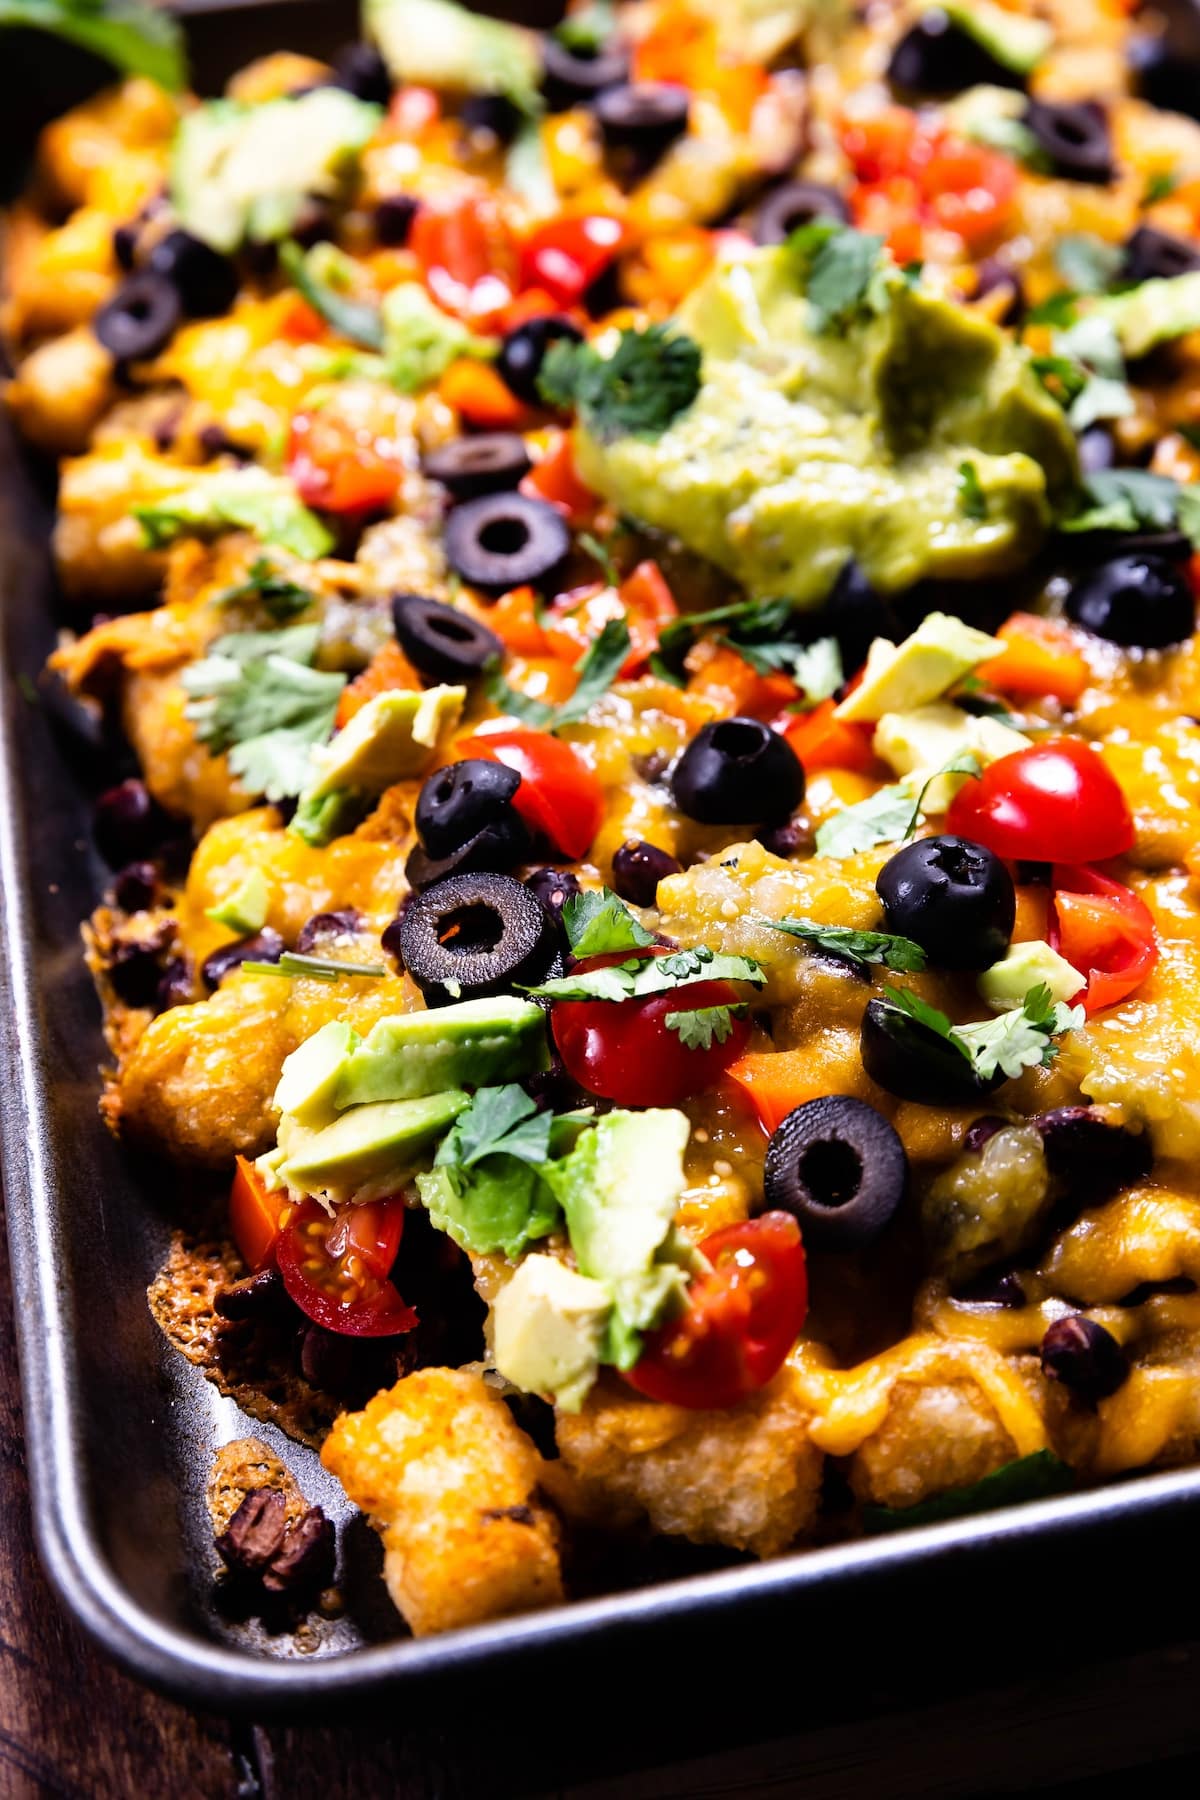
point(523, 351)
point(128, 823)
point(553, 887)
point(328, 927)
point(954, 898)
point(1166, 73)
point(206, 281)
point(496, 847)
point(458, 801)
point(1084, 1358)
point(494, 113)
point(794, 204)
point(736, 771)
point(838, 1166)
point(1152, 255)
point(361, 70)
point(502, 541)
point(475, 935)
point(487, 464)
point(573, 77)
point(644, 117)
point(855, 614)
point(637, 869)
point(442, 642)
point(264, 946)
point(140, 318)
point(394, 215)
point(1092, 1158)
point(1074, 135)
point(1139, 600)
point(992, 275)
point(937, 57)
point(913, 1062)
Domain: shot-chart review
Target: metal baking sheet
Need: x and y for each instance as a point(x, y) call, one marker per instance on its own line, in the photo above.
point(121, 1430)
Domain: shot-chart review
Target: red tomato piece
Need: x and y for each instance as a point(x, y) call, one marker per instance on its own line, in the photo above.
point(823, 742)
point(254, 1211)
point(559, 794)
point(336, 1270)
point(1055, 799)
point(1105, 931)
point(467, 256)
point(742, 1318)
point(625, 1051)
point(564, 256)
point(342, 467)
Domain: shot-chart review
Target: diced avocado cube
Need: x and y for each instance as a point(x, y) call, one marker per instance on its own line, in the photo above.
point(477, 1041)
point(440, 44)
point(309, 1078)
point(548, 1324)
point(389, 739)
point(1154, 312)
point(919, 743)
point(900, 677)
point(1027, 966)
point(381, 1145)
point(245, 909)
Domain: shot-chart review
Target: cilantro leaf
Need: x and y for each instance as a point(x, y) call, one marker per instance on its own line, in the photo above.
point(697, 1029)
point(968, 762)
point(1135, 500)
point(499, 1119)
point(265, 586)
point(256, 697)
point(134, 36)
point(597, 923)
point(653, 975)
point(971, 498)
point(1020, 1039)
point(886, 947)
point(907, 1001)
point(837, 264)
point(650, 378)
point(883, 818)
point(597, 672)
point(1086, 263)
point(601, 553)
point(319, 275)
point(1160, 186)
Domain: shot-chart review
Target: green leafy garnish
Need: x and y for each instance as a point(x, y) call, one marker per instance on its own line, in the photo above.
point(1086, 263)
point(701, 1027)
point(837, 264)
point(134, 36)
point(597, 923)
point(883, 818)
point(257, 696)
point(1012, 137)
point(653, 975)
point(967, 762)
point(321, 275)
point(499, 1119)
point(886, 947)
point(264, 586)
point(759, 631)
point(1136, 500)
point(1016, 1040)
point(1034, 1477)
point(236, 500)
point(601, 553)
point(485, 1189)
point(587, 31)
point(650, 378)
point(1057, 309)
point(597, 672)
point(1160, 186)
point(320, 968)
point(971, 498)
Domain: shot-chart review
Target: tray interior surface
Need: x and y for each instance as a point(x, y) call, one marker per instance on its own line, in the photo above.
point(122, 1429)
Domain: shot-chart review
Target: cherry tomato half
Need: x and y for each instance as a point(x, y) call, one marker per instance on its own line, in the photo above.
point(467, 256)
point(342, 467)
point(1104, 931)
point(625, 1051)
point(559, 794)
point(741, 1321)
point(336, 1270)
point(564, 256)
point(254, 1211)
point(1057, 799)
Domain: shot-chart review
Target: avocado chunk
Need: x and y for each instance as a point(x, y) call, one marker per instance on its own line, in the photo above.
point(548, 1327)
point(1030, 965)
point(389, 739)
point(919, 743)
point(439, 44)
point(1015, 40)
point(806, 447)
point(244, 909)
point(207, 502)
point(370, 1150)
point(309, 1078)
point(1154, 312)
point(244, 171)
point(475, 1041)
point(899, 677)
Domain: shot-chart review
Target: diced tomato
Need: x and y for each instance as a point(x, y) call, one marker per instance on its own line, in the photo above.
point(254, 1211)
point(823, 742)
point(467, 256)
point(474, 389)
point(1039, 659)
point(565, 255)
point(649, 605)
point(336, 1270)
point(556, 479)
point(775, 1082)
point(389, 671)
point(968, 189)
point(413, 110)
point(624, 1050)
point(1056, 798)
point(300, 322)
point(1105, 931)
point(342, 467)
point(742, 1318)
point(559, 795)
point(913, 172)
point(880, 144)
point(733, 685)
point(514, 619)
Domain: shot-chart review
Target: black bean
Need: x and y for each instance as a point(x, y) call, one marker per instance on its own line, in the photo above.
point(1084, 1358)
point(1091, 1157)
point(553, 887)
point(176, 985)
point(394, 215)
point(264, 946)
point(637, 869)
point(128, 823)
point(326, 926)
point(135, 887)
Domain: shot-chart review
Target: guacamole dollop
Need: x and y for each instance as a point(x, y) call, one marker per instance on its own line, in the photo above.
point(808, 446)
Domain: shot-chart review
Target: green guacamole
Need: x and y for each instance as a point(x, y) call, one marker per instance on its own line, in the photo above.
point(805, 448)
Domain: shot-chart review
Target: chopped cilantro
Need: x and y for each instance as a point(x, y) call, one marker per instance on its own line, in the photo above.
point(256, 696)
point(883, 818)
point(653, 975)
point(1136, 500)
point(499, 1119)
point(652, 376)
point(1017, 1040)
point(597, 672)
point(698, 1029)
point(1160, 186)
point(838, 264)
point(320, 968)
point(1086, 263)
point(894, 952)
point(966, 763)
point(601, 553)
point(264, 586)
point(1033, 1477)
point(971, 498)
point(597, 923)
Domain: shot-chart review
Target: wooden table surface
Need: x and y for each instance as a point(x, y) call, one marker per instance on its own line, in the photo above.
point(72, 1725)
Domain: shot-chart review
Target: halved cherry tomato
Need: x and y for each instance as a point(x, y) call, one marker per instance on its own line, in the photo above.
point(742, 1318)
point(1105, 931)
point(467, 256)
point(336, 1270)
point(1039, 658)
point(823, 742)
point(564, 256)
point(556, 479)
point(625, 1051)
point(559, 794)
point(1054, 799)
point(340, 467)
point(254, 1211)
